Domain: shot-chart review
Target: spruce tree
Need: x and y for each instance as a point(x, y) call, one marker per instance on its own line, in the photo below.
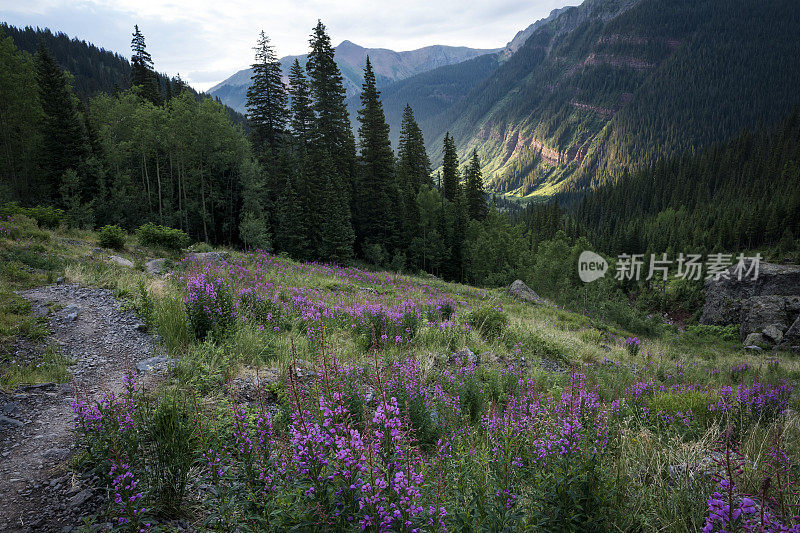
point(331, 131)
point(291, 229)
point(142, 73)
point(411, 152)
point(332, 156)
point(302, 115)
point(450, 169)
point(266, 103)
point(336, 230)
point(475, 194)
point(65, 145)
point(377, 189)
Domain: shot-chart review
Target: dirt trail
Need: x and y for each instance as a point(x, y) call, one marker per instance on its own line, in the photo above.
point(38, 492)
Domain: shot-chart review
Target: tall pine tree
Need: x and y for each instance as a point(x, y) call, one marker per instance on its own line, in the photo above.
point(475, 193)
point(377, 193)
point(411, 152)
point(65, 145)
point(302, 115)
point(266, 103)
point(142, 73)
point(450, 169)
point(333, 154)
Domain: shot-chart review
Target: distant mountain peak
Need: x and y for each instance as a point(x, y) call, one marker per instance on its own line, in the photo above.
point(389, 66)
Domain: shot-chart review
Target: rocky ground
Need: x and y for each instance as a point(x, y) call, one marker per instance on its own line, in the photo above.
point(38, 490)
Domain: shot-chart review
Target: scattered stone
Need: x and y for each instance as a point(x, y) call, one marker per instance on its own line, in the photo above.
point(520, 291)
point(10, 422)
point(80, 498)
point(754, 348)
point(773, 333)
point(121, 261)
point(141, 326)
point(156, 266)
point(60, 280)
point(754, 339)
point(154, 364)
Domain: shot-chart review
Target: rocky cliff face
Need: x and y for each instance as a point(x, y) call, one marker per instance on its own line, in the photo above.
point(767, 309)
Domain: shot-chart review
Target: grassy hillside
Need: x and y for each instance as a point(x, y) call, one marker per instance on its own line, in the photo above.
point(315, 394)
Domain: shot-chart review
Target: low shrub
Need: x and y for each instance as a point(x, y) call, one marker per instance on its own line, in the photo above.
point(45, 216)
point(153, 235)
point(488, 319)
point(111, 237)
point(708, 332)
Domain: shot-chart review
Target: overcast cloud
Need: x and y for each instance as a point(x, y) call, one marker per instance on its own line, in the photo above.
point(207, 41)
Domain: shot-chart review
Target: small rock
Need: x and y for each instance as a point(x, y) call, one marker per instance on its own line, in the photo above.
point(60, 280)
point(156, 266)
point(154, 363)
point(466, 356)
point(121, 261)
point(56, 454)
point(520, 291)
point(754, 348)
point(80, 498)
point(10, 422)
point(754, 339)
point(207, 257)
point(141, 327)
point(8, 408)
point(773, 333)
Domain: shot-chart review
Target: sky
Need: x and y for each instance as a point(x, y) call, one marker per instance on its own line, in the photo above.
point(206, 41)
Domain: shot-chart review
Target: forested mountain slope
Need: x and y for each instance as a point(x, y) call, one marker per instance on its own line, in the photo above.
point(614, 84)
point(740, 195)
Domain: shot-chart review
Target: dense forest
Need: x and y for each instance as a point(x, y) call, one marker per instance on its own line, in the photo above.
point(297, 181)
point(739, 195)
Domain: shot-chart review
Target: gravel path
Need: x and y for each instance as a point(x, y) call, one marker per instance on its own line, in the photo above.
point(37, 490)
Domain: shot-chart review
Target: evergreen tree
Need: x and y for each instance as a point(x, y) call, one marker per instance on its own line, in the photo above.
point(411, 152)
point(331, 132)
point(142, 73)
point(291, 230)
point(64, 141)
point(377, 189)
point(253, 230)
point(450, 169)
point(336, 231)
point(332, 156)
point(302, 115)
point(475, 194)
point(266, 103)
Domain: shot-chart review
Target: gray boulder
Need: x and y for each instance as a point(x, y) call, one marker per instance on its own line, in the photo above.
point(520, 291)
point(774, 333)
point(155, 364)
point(156, 266)
point(766, 305)
point(754, 339)
point(465, 356)
point(121, 261)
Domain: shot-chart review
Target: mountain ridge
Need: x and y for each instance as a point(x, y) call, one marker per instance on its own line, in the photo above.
point(390, 66)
